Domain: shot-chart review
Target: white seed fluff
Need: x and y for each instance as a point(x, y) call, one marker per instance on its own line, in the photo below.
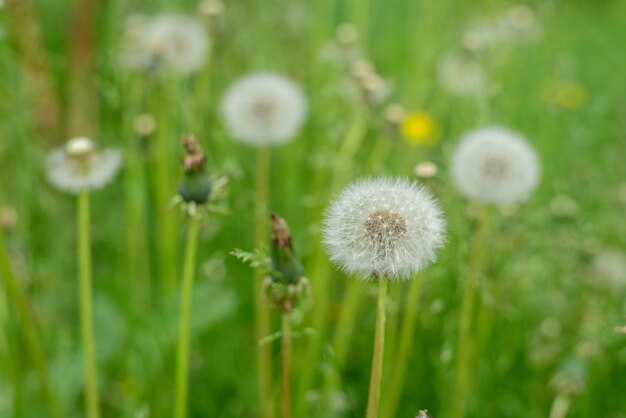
point(92, 170)
point(383, 227)
point(263, 108)
point(462, 75)
point(495, 165)
point(168, 42)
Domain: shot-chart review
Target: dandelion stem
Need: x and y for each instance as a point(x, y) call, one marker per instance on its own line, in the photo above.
point(86, 310)
point(286, 365)
point(29, 327)
point(182, 354)
point(560, 406)
point(406, 339)
point(379, 346)
point(465, 344)
point(262, 314)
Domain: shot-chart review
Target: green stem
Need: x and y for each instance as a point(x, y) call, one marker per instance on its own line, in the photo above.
point(321, 268)
point(406, 340)
point(182, 354)
point(560, 406)
point(347, 320)
point(92, 402)
point(379, 346)
point(262, 313)
point(286, 365)
point(465, 345)
point(29, 327)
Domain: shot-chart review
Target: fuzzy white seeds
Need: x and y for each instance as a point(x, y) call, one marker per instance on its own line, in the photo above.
point(79, 166)
point(495, 165)
point(461, 74)
point(385, 227)
point(168, 42)
point(263, 108)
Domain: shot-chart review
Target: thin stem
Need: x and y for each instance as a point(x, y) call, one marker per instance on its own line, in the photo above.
point(321, 267)
point(286, 365)
point(402, 357)
point(182, 354)
point(465, 345)
point(379, 346)
point(262, 313)
point(560, 406)
point(92, 403)
point(29, 327)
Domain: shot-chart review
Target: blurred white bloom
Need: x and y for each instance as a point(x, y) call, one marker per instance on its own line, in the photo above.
point(609, 266)
point(80, 166)
point(169, 42)
point(263, 108)
point(385, 227)
point(495, 165)
point(461, 74)
point(516, 24)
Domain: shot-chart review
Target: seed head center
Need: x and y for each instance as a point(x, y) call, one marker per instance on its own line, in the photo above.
point(495, 166)
point(384, 225)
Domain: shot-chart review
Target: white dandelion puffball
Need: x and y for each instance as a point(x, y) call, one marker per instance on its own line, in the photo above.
point(462, 74)
point(495, 165)
point(80, 166)
point(170, 42)
point(263, 108)
point(384, 227)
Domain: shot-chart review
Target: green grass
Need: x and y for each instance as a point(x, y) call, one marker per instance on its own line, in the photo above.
point(536, 264)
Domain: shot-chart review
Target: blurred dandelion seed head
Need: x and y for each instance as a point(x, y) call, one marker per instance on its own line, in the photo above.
point(461, 74)
point(263, 108)
point(79, 165)
point(168, 42)
point(386, 227)
point(144, 124)
point(495, 165)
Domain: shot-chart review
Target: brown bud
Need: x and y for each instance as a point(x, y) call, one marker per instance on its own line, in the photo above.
point(194, 158)
point(281, 236)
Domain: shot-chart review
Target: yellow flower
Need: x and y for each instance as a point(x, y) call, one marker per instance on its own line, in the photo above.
point(571, 95)
point(420, 129)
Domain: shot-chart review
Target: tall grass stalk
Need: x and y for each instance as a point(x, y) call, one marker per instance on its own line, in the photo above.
point(373, 398)
point(182, 354)
point(560, 406)
point(465, 344)
point(321, 268)
point(92, 401)
point(405, 341)
point(28, 325)
point(262, 314)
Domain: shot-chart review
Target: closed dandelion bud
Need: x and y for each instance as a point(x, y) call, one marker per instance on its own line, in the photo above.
point(346, 34)
point(196, 185)
point(387, 228)
point(8, 218)
point(286, 267)
point(423, 414)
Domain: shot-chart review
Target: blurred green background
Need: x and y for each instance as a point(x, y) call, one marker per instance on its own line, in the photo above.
point(551, 302)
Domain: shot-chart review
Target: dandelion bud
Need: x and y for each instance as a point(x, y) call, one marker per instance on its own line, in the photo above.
point(286, 267)
point(426, 170)
point(395, 114)
point(196, 185)
point(8, 218)
point(423, 414)
point(363, 68)
point(211, 8)
point(144, 125)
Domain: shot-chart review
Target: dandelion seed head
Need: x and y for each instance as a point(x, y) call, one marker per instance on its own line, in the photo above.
point(79, 165)
point(167, 42)
point(263, 108)
point(385, 227)
point(461, 74)
point(495, 165)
